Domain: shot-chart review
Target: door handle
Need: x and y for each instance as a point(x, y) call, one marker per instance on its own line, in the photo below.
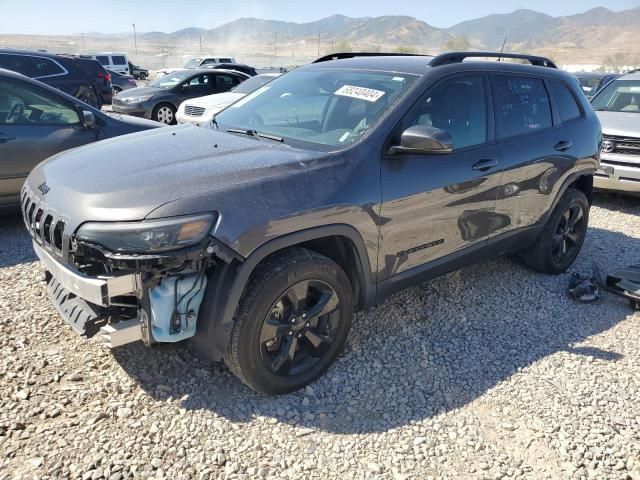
point(484, 165)
point(563, 146)
point(4, 138)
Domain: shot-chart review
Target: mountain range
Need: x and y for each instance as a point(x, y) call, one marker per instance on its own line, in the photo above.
point(526, 29)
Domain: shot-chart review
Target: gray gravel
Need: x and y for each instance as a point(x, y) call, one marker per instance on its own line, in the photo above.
point(489, 372)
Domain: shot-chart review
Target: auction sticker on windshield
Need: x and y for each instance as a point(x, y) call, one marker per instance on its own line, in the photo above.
point(361, 93)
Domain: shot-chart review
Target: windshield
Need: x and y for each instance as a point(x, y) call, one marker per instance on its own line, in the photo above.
point(170, 80)
point(589, 85)
point(193, 63)
point(618, 96)
point(252, 84)
point(332, 107)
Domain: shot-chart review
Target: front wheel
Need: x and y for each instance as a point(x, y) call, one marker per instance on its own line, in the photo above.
point(563, 235)
point(164, 113)
point(292, 322)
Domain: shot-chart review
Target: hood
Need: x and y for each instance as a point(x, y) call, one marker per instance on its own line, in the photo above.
point(140, 91)
point(216, 100)
point(126, 178)
point(135, 121)
point(620, 124)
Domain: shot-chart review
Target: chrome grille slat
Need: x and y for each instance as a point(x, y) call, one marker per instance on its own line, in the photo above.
point(45, 226)
point(193, 111)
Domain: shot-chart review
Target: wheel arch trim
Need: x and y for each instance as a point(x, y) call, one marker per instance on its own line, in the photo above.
point(225, 288)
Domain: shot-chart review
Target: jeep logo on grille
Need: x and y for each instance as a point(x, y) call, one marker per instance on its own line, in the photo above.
point(44, 188)
point(608, 146)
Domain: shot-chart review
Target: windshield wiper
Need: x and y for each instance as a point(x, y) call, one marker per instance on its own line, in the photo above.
point(254, 133)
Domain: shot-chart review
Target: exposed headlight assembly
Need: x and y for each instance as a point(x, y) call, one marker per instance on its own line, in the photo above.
point(141, 99)
point(149, 236)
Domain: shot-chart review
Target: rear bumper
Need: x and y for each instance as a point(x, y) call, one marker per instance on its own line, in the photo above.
point(618, 172)
point(98, 291)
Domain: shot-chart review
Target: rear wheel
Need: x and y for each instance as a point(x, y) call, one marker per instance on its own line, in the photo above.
point(292, 323)
point(164, 113)
point(142, 76)
point(563, 235)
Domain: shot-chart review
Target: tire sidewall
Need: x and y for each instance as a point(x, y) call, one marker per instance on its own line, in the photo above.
point(157, 108)
point(255, 372)
point(571, 197)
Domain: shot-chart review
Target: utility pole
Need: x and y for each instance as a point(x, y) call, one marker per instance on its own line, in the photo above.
point(275, 45)
point(135, 39)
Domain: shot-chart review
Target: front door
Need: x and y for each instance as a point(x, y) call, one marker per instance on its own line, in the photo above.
point(34, 125)
point(439, 204)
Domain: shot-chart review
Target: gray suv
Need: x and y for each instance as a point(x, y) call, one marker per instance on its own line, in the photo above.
point(315, 196)
point(618, 108)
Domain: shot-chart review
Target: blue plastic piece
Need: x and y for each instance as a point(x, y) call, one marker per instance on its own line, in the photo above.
point(167, 327)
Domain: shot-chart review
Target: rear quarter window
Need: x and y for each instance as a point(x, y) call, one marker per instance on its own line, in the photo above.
point(565, 101)
point(522, 105)
point(103, 59)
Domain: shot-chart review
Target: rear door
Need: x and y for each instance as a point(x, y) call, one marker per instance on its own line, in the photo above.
point(534, 147)
point(120, 64)
point(34, 125)
point(223, 82)
point(440, 204)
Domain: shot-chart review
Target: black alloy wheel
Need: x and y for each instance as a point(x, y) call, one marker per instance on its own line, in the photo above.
point(569, 234)
point(300, 328)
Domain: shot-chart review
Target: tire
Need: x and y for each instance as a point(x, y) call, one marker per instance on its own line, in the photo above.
point(90, 97)
point(164, 113)
point(275, 346)
point(116, 90)
point(142, 76)
point(557, 246)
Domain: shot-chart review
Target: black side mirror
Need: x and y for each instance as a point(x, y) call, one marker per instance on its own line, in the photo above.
point(87, 119)
point(422, 139)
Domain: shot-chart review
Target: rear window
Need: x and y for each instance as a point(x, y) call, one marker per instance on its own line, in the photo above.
point(226, 60)
point(119, 60)
point(33, 67)
point(522, 105)
point(103, 59)
point(565, 101)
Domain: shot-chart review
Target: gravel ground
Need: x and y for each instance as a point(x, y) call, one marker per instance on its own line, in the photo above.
point(489, 372)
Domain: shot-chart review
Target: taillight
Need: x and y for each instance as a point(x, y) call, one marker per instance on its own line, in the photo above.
point(106, 76)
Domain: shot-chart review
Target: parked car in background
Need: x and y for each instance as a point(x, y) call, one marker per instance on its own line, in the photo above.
point(320, 194)
point(200, 111)
point(239, 67)
point(592, 82)
point(81, 77)
point(160, 99)
point(618, 108)
point(138, 72)
point(121, 82)
point(115, 61)
point(38, 121)
point(198, 62)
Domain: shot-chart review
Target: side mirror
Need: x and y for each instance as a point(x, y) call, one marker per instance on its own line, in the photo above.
point(87, 119)
point(422, 139)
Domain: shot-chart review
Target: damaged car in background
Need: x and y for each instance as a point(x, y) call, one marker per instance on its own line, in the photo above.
point(319, 194)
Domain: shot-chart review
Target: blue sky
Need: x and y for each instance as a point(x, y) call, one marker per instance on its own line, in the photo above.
point(108, 16)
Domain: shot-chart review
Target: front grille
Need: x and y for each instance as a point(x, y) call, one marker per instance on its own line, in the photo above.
point(193, 111)
point(45, 225)
point(623, 145)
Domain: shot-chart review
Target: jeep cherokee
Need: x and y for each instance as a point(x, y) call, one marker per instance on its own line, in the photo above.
point(317, 195)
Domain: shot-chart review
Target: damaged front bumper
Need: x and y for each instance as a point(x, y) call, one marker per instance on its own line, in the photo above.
point(155, 299)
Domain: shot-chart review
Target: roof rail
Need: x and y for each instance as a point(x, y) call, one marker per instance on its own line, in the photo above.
point(457, 57)
point(343, 55)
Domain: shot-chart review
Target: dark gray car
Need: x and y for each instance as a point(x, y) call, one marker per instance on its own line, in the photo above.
point(38, 121)
point(160, 99)
point(320, 194)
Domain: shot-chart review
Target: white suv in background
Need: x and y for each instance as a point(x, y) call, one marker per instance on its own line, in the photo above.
point(114, 61)
point(198, 62)
point(200, 111)
point(618, 108)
